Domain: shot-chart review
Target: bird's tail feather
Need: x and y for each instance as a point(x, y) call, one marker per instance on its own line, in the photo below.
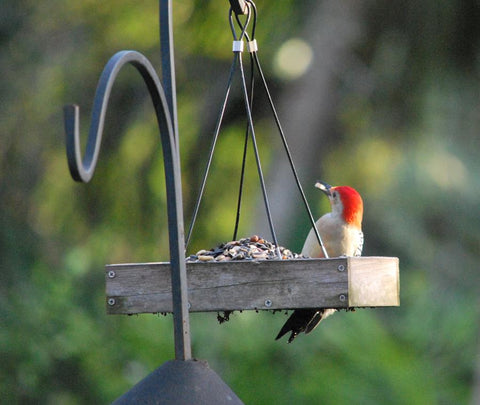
point(318, 317)
point(299, 321)
point(313, 323)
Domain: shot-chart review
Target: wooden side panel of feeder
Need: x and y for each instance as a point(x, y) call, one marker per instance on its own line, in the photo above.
point(249, 285)
point(373, 282)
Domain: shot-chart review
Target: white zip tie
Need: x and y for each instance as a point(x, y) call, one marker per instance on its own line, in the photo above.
point(252, 46)
point(237, 46)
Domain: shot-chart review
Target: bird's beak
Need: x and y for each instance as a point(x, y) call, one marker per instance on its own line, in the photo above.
point(324, 187)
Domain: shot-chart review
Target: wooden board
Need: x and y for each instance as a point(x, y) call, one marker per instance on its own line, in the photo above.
point(373, 282)
point(249, 285)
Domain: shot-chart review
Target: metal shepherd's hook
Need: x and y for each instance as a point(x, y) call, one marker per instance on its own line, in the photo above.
point(82, 169)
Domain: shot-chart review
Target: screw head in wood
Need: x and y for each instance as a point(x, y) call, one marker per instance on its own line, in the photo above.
point(111, 301)
point(341, 267)
point(111, 274)
point(342, 297)
point(268, 303)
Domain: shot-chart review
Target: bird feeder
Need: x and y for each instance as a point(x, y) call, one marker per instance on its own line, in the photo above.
point(179, 287)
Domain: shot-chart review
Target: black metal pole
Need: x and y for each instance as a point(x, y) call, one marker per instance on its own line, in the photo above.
point(181, 317)
point(168, 61)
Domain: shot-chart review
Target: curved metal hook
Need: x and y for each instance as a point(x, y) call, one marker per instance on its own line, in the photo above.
point(83, 169)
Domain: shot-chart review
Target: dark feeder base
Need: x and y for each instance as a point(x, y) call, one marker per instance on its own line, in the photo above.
point(181, 382)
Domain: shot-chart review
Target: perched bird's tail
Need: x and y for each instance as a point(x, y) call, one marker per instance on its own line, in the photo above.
point(303, 320)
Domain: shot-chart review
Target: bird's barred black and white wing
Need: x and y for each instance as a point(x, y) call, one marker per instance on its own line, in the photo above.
point(358, 250)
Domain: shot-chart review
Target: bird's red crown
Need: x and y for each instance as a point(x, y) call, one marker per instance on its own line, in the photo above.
point(352, 205)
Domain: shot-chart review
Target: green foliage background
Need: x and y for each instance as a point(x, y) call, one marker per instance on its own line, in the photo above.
point(407, 138)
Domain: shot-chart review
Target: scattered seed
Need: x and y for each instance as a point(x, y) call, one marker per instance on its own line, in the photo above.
point(253, 248)
point(205, 258)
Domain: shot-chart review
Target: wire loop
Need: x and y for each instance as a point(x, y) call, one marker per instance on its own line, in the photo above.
point(250, 6)
point(243, 27)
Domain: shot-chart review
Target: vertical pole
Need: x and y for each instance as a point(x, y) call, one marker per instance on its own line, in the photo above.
point(168, 62)
point(181, 320)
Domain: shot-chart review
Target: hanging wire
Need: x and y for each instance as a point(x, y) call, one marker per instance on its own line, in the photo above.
point(217, 129)
point(257, 156)
point(242, 173)
point(247, 129)
point(254, 55)
point(250, 131)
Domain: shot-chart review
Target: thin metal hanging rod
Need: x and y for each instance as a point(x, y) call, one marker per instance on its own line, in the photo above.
point(168, 61)
point(254, 55)
point(216, 132)
point(211, 152)
point(257, 158)
point(247, 129)
point(248, 109)
point(237, 49)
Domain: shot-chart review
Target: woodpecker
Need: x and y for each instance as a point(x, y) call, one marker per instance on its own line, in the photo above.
point(341, 234)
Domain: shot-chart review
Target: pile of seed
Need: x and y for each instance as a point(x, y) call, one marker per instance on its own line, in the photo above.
point(253, 248)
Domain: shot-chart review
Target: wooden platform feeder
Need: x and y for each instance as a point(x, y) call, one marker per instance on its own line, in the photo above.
point(345, 282)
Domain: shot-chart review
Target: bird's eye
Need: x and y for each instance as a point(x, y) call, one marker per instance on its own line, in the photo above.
point(334, 194)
